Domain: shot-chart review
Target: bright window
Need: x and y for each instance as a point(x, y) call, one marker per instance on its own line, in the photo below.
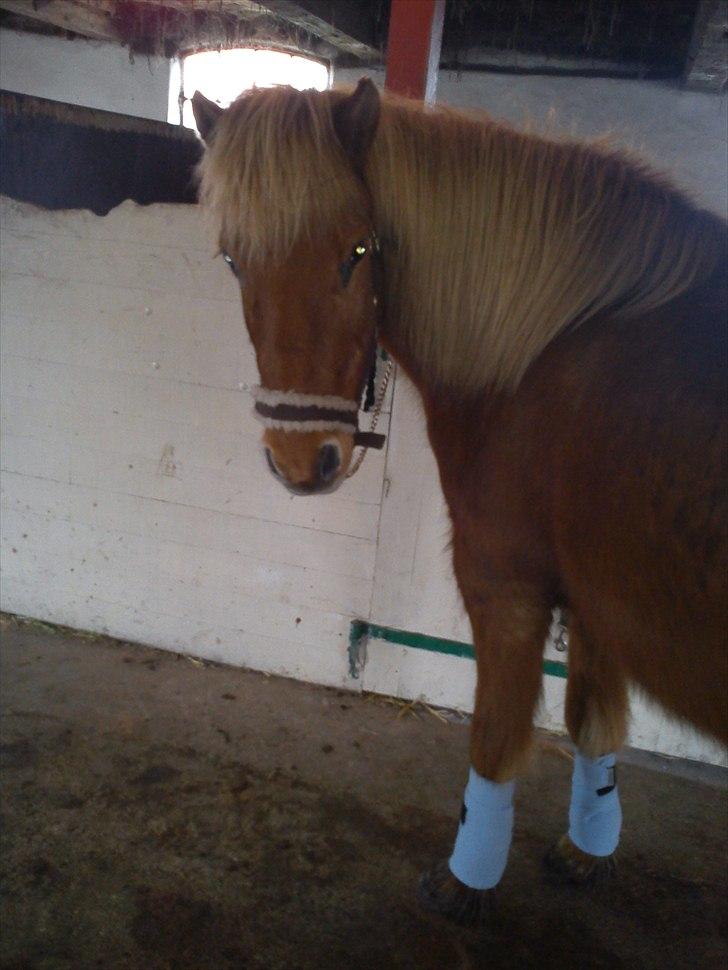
point(222, 75)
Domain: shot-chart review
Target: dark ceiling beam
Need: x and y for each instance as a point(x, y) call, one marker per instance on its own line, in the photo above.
point(90, 21)
point(707, 61)
point(324, 29)
point(193, 25)
point(337, 22)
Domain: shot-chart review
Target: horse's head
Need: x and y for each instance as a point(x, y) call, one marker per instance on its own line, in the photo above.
point(282, 173)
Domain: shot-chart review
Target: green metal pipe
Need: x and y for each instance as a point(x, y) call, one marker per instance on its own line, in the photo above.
point(360, 631)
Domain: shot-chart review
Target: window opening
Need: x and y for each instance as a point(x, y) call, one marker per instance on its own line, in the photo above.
point(222, 75)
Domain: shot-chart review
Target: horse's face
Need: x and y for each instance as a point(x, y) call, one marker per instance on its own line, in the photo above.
point(312, 321)
point(311, 311)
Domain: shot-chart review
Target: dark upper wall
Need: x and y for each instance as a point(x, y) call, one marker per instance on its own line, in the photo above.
point(67, 157)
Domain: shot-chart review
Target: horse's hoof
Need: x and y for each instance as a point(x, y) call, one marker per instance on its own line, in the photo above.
point(568, 863)
point(441, 892)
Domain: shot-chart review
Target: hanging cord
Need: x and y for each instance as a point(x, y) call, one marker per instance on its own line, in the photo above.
point(378, 405)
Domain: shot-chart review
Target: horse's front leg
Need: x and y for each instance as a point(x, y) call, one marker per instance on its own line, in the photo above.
point(510, 622)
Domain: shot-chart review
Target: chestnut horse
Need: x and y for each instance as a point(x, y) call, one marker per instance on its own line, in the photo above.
point(561, 310)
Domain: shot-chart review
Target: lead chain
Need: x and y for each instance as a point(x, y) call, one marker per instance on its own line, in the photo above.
point(376, 411)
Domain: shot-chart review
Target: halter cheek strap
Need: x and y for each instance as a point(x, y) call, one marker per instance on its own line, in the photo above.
point(295, 411)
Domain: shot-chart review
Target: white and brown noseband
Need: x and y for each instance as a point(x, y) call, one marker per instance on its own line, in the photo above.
point(296, 411)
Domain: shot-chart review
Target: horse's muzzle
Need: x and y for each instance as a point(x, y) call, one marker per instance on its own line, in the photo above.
point(323, 479)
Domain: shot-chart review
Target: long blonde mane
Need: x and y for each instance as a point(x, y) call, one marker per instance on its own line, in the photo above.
point(495, 240)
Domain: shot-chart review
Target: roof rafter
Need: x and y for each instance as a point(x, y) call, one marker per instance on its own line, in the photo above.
point(262, 21)
point(311, 18)
point(91, 21)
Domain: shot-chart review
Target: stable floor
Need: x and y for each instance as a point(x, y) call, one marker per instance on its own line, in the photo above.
point(159, 813)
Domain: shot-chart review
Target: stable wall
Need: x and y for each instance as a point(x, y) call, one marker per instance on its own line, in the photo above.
point(135, 498)
point(87, 72)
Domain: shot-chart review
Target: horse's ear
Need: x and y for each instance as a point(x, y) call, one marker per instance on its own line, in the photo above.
point(355, 120)
point(206, 114)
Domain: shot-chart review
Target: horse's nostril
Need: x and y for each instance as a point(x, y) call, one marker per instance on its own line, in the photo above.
point(329, 462)
point(271, 463)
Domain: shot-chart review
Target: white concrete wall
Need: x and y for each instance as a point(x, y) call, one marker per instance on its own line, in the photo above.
point(85, 72)
point(135, 499)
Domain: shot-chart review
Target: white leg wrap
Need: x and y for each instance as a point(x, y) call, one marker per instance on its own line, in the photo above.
point(484, 836)
point(595, 815)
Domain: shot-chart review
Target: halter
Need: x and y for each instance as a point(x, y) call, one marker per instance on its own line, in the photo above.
point(295, 411)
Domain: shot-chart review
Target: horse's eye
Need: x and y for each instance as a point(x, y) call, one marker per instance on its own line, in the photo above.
point(357, 254)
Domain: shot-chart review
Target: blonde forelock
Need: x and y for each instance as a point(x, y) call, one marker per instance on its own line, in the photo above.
point(275, 173)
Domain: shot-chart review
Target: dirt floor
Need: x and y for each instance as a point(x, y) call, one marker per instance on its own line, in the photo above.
point(158, 813)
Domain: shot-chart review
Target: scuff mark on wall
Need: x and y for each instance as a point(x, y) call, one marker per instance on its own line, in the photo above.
point(167, 464)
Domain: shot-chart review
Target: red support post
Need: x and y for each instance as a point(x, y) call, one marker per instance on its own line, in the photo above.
point(413, 47)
